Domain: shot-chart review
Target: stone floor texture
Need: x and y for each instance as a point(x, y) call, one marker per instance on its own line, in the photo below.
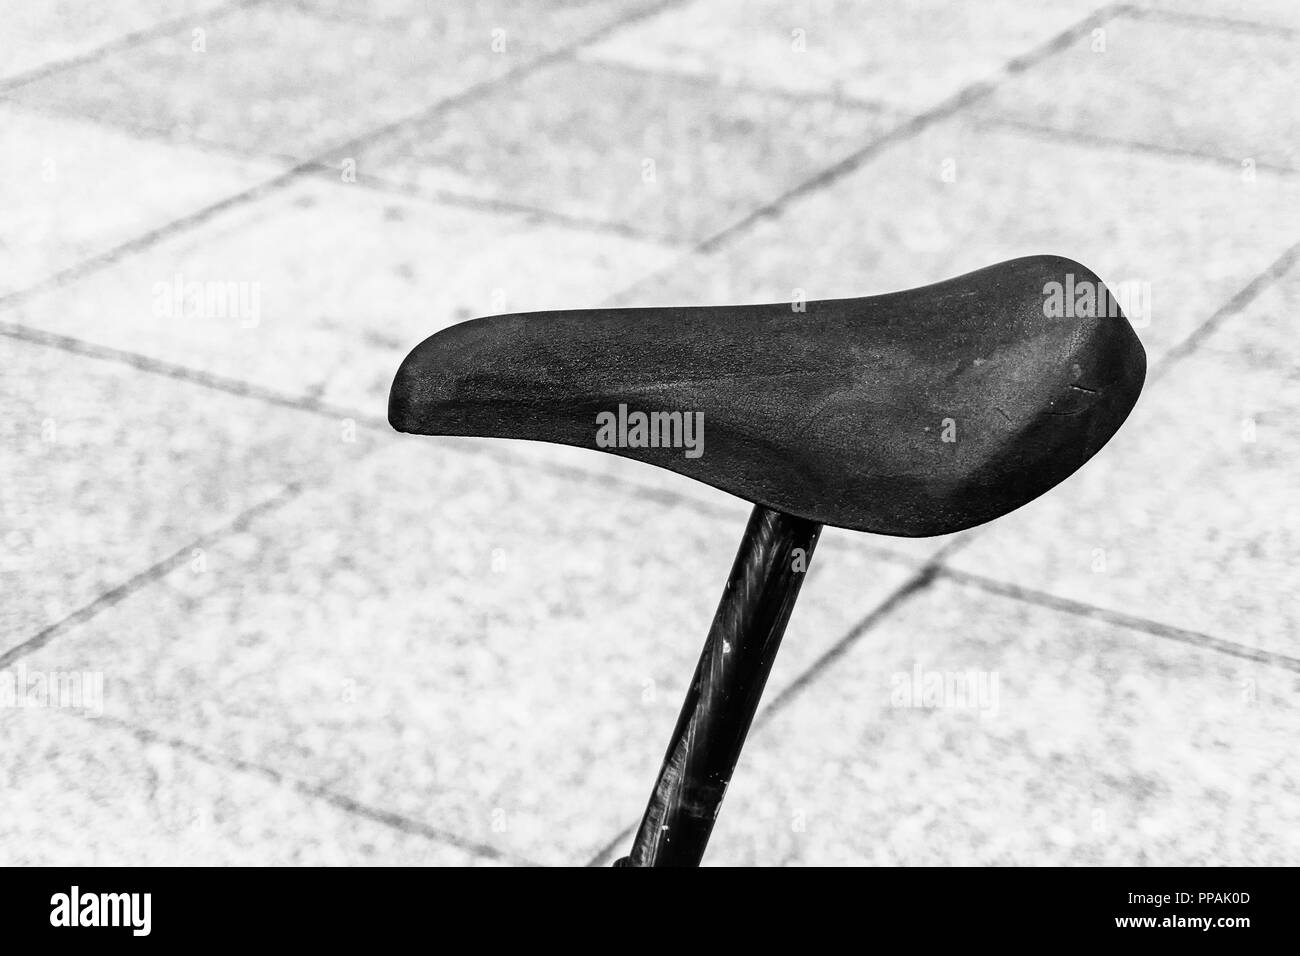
point(243, 622)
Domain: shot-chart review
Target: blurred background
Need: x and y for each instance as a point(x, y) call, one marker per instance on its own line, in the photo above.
point(245, 622)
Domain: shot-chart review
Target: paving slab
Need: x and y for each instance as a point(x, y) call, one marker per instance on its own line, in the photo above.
point(1260, 336)
point(282, 81)
point(72, 190)
point(909, 55)
point(1188, 517)
point(490, 640)
point(317, 292)
point(1177, 86)
point(1101, 746)
point(475, 646)
point(321, 289)
point(77, 793)
point(961, 195)
point(40, 36)
point(1180, 235)
point(107, 470)
point(669, 156)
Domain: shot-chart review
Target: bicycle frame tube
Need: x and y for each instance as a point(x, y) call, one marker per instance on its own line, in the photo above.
point(725, 690)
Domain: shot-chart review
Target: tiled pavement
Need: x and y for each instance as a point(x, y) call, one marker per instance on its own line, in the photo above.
point(321, 642)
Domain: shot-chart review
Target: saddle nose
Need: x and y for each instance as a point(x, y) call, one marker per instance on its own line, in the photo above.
point(913, 414)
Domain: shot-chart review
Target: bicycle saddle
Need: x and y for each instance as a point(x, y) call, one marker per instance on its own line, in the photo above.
point(913, 414)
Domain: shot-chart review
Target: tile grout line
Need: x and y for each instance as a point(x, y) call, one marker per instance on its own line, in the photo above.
point(1211, 22)
point(450, 198)
point(323, 158)
point(144, 241)
point(154, 572)
point(540, 214)
point(666, 496)
point(159, 570)
point(936, 567)
point(1243, 298)
point(480, 89)
point(388, 818)
point(1126, 145)
point(124, 42)
point(241, 389)
point(1132, 622)
point(925, 576)
point(912, 126)
point(812, 97)
point(235, 386)
point(1235, 304)
point(366, 181)
point(905, 130)
point(149, 134)
point(919, 582)
point(183, 373)
point(258, 191)
point(536, 214)
point(913, 585)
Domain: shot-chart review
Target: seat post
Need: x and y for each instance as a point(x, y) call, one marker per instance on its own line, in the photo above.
point(725, 691)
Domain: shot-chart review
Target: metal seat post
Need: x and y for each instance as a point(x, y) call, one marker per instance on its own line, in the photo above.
point(725, 691)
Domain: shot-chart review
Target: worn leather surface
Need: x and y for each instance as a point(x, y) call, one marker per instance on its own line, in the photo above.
point(916, 413)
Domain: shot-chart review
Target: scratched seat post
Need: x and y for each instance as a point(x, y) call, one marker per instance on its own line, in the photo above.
point(725, 691)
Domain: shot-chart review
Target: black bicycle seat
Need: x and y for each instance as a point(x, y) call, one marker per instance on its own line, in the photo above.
point(916, 413)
